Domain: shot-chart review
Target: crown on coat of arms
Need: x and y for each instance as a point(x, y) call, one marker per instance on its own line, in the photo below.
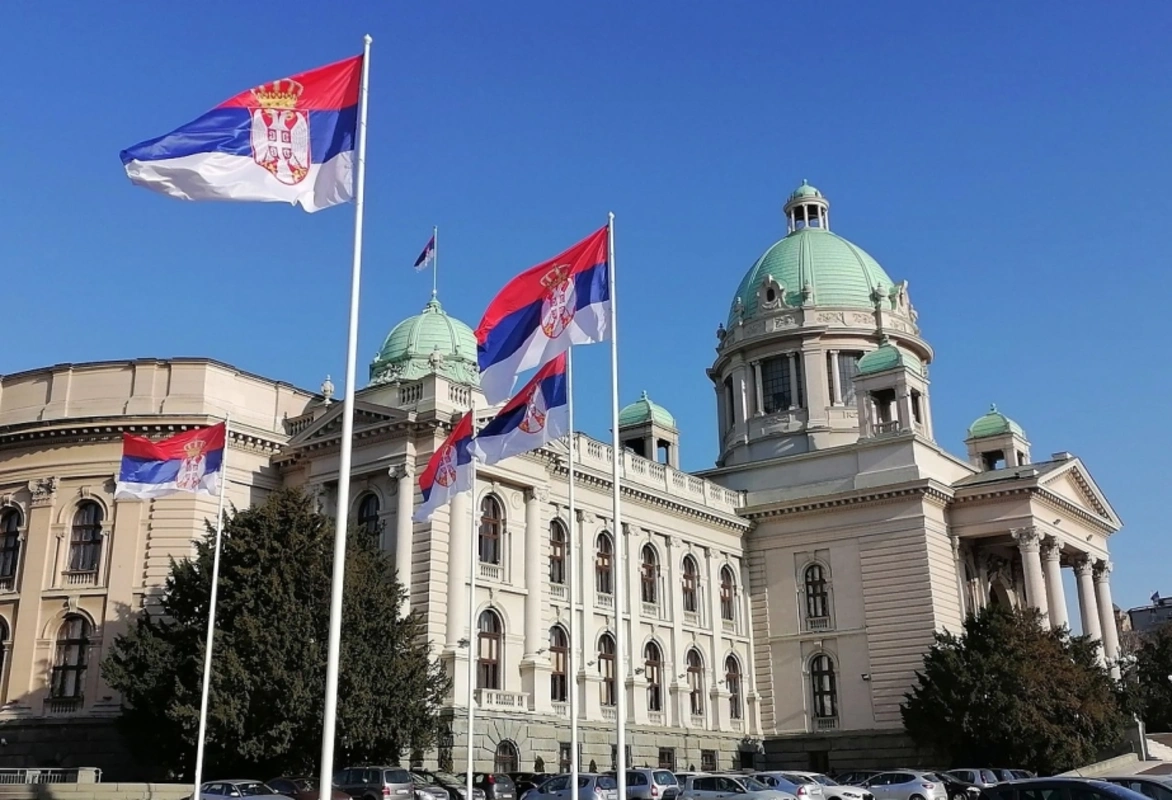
point(556, 276)
point(283, 93)
point(194, 447)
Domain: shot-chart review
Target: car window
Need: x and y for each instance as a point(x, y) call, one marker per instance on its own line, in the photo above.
point(664, 778)
point(213, 788)
point(282, 786)
point(882, 779)
point(636, 779)
point(605, 782)
point(704, 784)
point(554, 785)
point(754, 785)
point(897, 778)
point(396, 776)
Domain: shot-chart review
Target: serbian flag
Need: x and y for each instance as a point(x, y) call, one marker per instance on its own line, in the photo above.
point(538, 414)
point(427, 256)
point(543, 312)
point(186, 462)
point(449, 472)
point(287, 141)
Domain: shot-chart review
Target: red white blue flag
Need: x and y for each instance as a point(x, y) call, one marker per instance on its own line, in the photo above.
point(191, 462)
point(449, 472)
point(288, 141)
point(538, 414)
point(427, 256)
point(542, 313)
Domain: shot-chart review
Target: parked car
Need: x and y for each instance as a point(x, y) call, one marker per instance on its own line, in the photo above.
point(590, 787)
point(791, 783)
point(1059, 789)
point(1013, 774)
point(443, 785)
point(302, 789)
point(375, 783)
point(855, 777)
point(524, 781)
point(218, 790)
point(495, 785)
point(977, 777)
point(1157, 787)
point(958, 789)
point(715, 787)
point(834, 790)
point(907, 785)
point(644, 783)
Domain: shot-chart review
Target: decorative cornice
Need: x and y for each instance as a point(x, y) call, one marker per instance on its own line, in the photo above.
point(103, 430)
point(927, 491)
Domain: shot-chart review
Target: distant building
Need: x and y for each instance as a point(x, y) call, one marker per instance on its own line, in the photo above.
point(1145, 619)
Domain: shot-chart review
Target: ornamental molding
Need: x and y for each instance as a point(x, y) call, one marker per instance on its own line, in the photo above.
point(101, 431)
point(44, 491)
point(927, 492)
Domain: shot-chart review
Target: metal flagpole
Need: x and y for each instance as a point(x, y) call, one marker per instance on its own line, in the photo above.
point(207, 653)
point(434, 259)
point(572, 582)
point(473, 567)
point(342, 513)
point(620, 676)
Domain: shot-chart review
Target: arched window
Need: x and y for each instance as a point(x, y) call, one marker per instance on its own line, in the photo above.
point(559, 654)
point(653, 669)
point(9, 546)
point(606, 649)
point(604, 565)
point(825, 686)
point(696, 682)
point(732, 679)
point(557, 552)
point(691, 585)
point(85, 541)
point(71, 659)
point(817, 593)
point(488, 651)
point(368, 510)
point(492, 529)
point(5, 635)
point(507, 758)
point(728, 593)
point(649, 575)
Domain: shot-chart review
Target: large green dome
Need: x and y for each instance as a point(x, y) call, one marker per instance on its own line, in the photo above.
point(431, 342)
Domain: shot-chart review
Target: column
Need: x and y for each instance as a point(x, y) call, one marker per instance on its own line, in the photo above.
point(740, 394)
point(1102, 576)
point(759, 388)
point(535, 668)
point(1029, 543)
point(903, 412)
point(835, 380)
point(404, 527)
point(588, 687)
point(459, 547)
point(673, 654)
point(1055, 594)
point(1086, 598)
point(628, 681)
point(795, 400)
point(28, 679)
point(716, 625)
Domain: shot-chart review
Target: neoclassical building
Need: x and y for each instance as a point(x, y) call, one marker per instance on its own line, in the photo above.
point(776, 605)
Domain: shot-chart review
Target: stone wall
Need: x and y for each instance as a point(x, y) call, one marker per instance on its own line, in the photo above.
point(845, 751)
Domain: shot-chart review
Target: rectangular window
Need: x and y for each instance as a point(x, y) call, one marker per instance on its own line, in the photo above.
point(708, 761)
point(564, 754)
point(780, 375)
point(667, 759)
point(848, 368)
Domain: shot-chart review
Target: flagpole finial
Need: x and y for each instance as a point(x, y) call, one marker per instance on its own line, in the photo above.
point(366, 40)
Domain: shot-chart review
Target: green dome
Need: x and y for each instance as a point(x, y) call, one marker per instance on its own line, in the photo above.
point(431, 342)
point(805, 190)
point(643, 411)
point(888, 356)
point(837, 273)
point(994, 424)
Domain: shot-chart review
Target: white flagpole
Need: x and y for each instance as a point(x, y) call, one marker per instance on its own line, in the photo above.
point(473, 642)
point(572, 582)
point(434, 260)
point(342, 513)
point(620, 676)
point(207, 653)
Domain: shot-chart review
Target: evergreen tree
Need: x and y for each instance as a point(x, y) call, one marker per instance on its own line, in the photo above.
point(268, 665)
point(1149, 678)
point(1011, 692)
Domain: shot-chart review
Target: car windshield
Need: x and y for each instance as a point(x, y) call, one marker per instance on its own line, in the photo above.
point(446, 777)
point(253, 789)
point(664, 778)
point(754, 785)
point(606, 782)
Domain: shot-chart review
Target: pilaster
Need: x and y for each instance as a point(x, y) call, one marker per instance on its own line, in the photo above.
point(404, 477)
point(24, 677)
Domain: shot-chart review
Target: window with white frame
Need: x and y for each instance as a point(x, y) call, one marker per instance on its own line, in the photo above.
point(824, 687)
point(604, 564)
point(85, 540)
point(728, 594)
point(691, 587)
point(695, 682)
point(732, 680)
point(817, 592)
point(653, 671)
point(492, 530)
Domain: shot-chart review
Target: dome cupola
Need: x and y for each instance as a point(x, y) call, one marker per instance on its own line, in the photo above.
point(430, 342)
point(996, 442)
point(649, 430)
point(807, 208)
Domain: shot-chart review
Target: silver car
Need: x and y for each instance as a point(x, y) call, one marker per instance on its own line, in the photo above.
point(590, 787)
point(799, 785)
point(977, 777)
point(907, 785)
point(644, 783)
point(218, 790)
point(719, 787)
point(833, 790)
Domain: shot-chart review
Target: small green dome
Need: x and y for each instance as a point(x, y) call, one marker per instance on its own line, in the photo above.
point(431, 342)
point(805, 190)
point(994, 424)
point(888, 356)
point(643, 411)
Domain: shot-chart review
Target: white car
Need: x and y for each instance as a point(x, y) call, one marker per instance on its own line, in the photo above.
point(793, 783)
point(723, 787)
point(833, 790)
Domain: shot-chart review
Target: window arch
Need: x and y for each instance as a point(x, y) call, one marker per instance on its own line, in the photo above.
point(85, 541)
point(557, 552)
point(606, 666)
point(824, 685)
point(604, 564)
point(492, 529)
point(67, 681)
point(695, 681)
point(9, 546)
point(728, 593)
point(488, 650)
point(732, 680)
point(507, 758)
point(817, 592)
point(653, 671)
point(649, 574)
point(559, 654)
point(368, 511)
point(691, 585)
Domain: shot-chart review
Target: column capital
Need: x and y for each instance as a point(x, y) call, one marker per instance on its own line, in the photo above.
point(1028, 540)
point(584, 516)
point(954, 540)
point(538, 493)
point(1083, 565)
point(404, 469)
point(1102, 571)
point(1051, 549)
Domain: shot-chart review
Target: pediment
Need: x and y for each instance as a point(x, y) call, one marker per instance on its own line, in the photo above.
point(1074, 484)
point(329, 426)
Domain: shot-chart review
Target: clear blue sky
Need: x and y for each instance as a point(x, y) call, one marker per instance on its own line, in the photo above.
point(1010, 160)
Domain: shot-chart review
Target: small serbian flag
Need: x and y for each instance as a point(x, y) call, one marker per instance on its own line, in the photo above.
point(186, 462)
point(426, 257)
point(538, 414)
point(288, 141)
point(543, 312)
point(449, 472)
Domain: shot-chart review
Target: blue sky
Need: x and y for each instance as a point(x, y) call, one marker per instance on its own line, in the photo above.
point(1009, 160)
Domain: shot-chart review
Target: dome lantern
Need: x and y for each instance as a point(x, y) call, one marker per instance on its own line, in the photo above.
point(649, 430)
point(807, 208)
point(997, 442)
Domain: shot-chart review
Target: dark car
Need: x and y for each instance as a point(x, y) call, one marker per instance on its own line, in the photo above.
point(524, 781)
point(1059, 789)
point(454, 786)
point(495, 785)
point(1157, 787)
point(958, 789)
point(302, 789)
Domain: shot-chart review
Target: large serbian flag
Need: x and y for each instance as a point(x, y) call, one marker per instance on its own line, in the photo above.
point(449, 472)
point(186, 462)
point(541, 313)
point(288, 141)
point(538, 414)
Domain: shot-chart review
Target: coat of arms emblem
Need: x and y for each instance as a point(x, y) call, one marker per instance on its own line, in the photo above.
point(445, 472)
point(280, 131)
point(557, 307)
point(193, 466)
point(535, 412)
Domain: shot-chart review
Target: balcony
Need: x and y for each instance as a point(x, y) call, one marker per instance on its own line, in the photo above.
point(80, 577)
point(558, 591)
point(62, 706)
point(887, 427)
point(825, 724)
point(506, 701)
point(651, 610)
point(655, 717)
point(605, 601)
point(610, 714)
point(818, 623)
point(492, 572)
point(561, 709)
